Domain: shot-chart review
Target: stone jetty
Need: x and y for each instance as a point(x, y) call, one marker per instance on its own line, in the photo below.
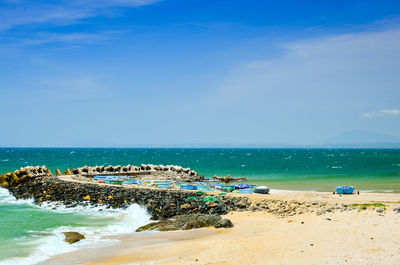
point(40, 184)
point(160, 172)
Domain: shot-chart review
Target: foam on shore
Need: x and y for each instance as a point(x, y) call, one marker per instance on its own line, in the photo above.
point(106, 222)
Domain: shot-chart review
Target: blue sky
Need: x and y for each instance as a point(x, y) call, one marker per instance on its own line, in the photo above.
point(169, 72)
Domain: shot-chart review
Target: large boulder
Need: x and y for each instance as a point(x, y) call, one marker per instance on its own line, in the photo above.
point(73, 237)
point(223, 223)
point(187, 222)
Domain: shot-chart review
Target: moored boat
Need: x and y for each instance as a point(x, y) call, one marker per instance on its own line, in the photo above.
point(345, 189)
point(242, 186)
point(261, 189)
point(116, 182)
point(246, 191)
point(188, 187)
point(164, 186)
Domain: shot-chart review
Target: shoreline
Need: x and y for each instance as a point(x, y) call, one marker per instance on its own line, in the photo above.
point(255, 229)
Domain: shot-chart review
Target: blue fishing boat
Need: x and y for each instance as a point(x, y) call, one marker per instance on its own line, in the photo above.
point(345, 189)
point(130, 181)
point(243, 186)
point(164, 186)
point(188, 187)
point(204, 188)
point(245, 191)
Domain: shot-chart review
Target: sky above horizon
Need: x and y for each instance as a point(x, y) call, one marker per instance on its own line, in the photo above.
point(171, 72)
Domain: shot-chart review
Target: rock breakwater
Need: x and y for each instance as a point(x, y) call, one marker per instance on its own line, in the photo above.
point(161, 172)
point(39, 183)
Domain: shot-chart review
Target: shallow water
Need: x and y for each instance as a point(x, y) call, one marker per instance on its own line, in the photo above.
point(30, 234)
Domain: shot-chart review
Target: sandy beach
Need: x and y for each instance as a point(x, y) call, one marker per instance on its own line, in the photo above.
point(348, 237)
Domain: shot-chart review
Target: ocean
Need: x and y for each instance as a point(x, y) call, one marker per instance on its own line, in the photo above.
point(30, 233)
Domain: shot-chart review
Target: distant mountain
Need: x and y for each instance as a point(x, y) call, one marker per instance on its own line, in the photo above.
point(361, 139)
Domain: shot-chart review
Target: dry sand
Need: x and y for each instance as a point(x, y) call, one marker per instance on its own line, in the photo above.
point(349, 237)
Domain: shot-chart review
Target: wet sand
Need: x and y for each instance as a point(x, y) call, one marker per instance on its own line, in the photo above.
point(349, 237)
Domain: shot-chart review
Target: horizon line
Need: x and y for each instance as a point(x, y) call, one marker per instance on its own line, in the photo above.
point(350, 146)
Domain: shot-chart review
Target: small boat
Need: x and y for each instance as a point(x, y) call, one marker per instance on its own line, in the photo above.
point(225, 188)
point(145, 182)
point(204, 188)
point(345, 189)
point(156, 182)
point(242, 186)
point(261, 189)
point(188, 187)
point(116, 182)
point(101, 181)
point(164, 186)
point(245, 191)
point(130, 181)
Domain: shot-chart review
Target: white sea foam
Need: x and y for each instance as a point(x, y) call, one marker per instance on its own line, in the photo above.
point(6, 197)
point(123, 221)
point(367, 191)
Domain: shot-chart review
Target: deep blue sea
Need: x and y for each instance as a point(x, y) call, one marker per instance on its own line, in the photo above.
point(30, 234)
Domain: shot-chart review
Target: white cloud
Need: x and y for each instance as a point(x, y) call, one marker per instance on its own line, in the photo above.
point(381, 113)
point(64, 12)
point(70, 38)
point(341, 71)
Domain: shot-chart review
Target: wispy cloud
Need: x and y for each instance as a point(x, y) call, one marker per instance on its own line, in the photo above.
point(338, 71)
point(69, 38)
point(382, 113)
point(64, 12)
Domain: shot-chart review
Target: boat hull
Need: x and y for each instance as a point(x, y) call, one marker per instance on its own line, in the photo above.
point(345, 189)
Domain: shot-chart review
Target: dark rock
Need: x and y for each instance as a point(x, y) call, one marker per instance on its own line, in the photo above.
point(187, 222)
point(224, 223)
point(73, 237)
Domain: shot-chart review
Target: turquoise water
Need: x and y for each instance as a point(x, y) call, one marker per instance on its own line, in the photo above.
point(312, 169)
point(29, 234)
